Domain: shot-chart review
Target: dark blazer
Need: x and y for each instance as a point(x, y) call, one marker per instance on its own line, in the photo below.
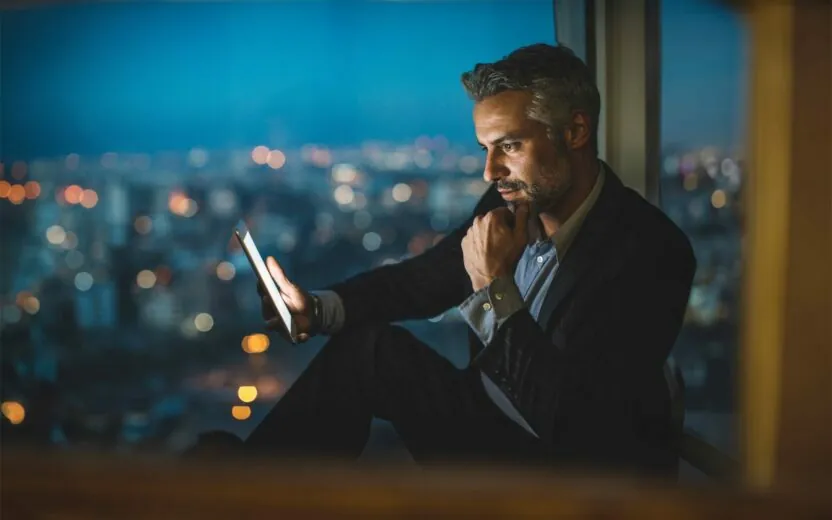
point(590, 382)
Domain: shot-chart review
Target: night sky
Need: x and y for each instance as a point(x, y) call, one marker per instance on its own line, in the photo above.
point(170, 76)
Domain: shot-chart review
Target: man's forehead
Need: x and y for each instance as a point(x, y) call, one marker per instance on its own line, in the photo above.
point(505, 105)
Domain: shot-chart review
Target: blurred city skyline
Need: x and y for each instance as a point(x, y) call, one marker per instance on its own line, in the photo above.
point(135, 135)
point(104, 77)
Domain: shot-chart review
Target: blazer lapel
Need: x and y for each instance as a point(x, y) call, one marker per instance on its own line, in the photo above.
point(584, 250)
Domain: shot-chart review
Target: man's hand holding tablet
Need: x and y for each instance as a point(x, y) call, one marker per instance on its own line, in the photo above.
point(300, 303)
point(287, 309)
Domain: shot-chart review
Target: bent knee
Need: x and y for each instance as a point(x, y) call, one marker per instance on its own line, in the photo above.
point(364, 343)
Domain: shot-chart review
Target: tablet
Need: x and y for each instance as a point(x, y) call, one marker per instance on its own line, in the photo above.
point(262, 272)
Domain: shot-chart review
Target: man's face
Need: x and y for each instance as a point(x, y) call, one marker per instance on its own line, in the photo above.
point(526, 165)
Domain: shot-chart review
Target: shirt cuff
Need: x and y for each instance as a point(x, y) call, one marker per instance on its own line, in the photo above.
point(487, 309)
point(332, 312)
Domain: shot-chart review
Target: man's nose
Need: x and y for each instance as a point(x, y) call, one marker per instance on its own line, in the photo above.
point(494, 170)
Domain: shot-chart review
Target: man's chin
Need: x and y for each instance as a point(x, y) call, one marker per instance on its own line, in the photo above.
point(514, 204)
point(515, 198)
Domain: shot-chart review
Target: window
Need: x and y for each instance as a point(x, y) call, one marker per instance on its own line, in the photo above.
point(136, 135)
point(703, 116)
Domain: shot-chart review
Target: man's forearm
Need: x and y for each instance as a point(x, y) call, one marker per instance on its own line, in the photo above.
point(420, 287)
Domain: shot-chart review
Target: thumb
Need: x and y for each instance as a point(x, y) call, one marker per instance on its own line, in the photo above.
point(521, 224)
point(277, 273)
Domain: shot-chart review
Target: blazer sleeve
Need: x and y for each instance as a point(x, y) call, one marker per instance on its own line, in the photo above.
point(419, 287)
point(622, 337)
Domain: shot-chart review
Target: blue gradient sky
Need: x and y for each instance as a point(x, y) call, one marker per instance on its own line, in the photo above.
point(127, 77)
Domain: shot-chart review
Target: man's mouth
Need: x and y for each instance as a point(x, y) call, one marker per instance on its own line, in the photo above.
point(508, 194)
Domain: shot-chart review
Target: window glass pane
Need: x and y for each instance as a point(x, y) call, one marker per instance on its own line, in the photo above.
point(703, 118)
point(136, 135)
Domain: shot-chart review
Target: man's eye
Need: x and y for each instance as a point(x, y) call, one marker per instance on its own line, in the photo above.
point(510, 147)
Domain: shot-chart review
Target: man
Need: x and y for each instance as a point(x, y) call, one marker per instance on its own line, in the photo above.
point(573, 286)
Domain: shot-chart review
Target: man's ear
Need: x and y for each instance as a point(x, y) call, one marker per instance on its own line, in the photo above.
point(579, 131)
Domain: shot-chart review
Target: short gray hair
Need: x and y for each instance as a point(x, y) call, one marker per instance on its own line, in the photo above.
point(558, 80)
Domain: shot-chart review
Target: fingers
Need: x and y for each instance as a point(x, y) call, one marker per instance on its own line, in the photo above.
point(266, 306)
point(501, 211)
point(268, 311)
point(276, 324)
point(277, 273)
point(499, 217)
point(501, 214)
point(517, 222)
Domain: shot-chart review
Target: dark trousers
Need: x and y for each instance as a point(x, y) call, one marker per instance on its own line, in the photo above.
point(441, 413)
